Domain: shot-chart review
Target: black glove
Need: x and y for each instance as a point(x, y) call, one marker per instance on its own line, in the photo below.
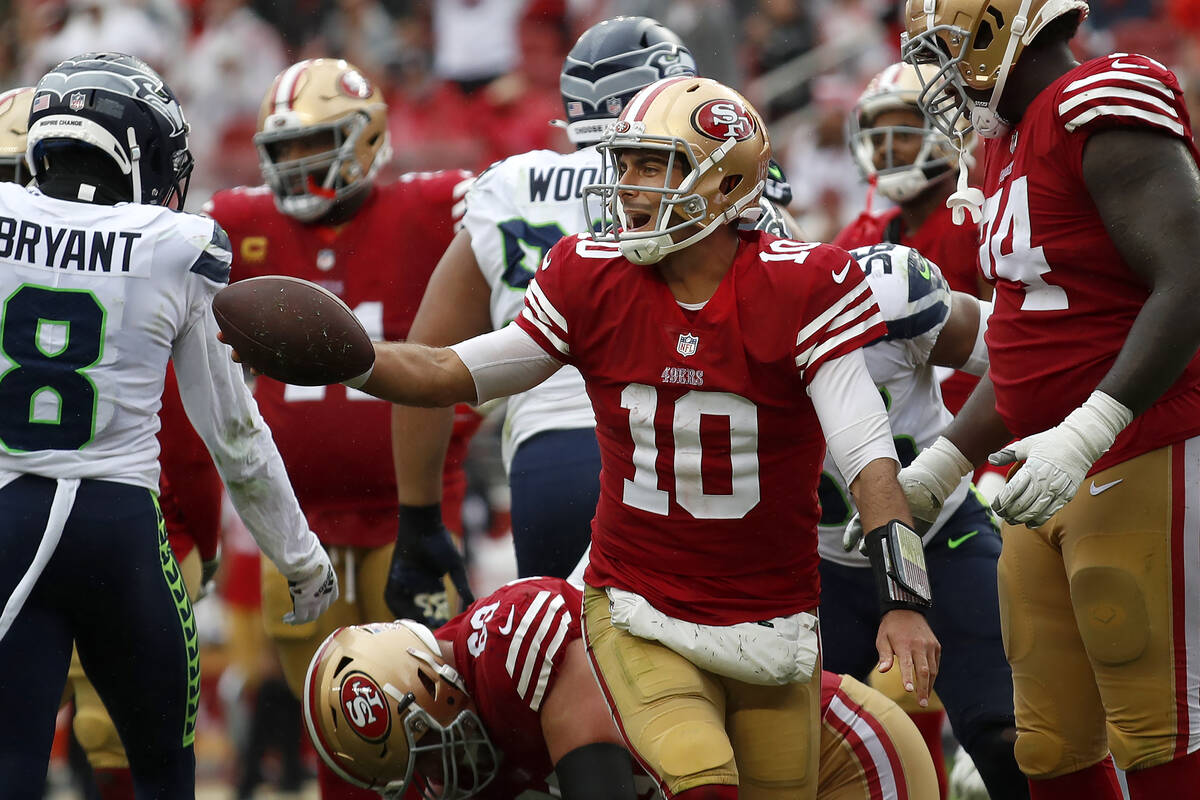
point(424, 553)
point(777, 188)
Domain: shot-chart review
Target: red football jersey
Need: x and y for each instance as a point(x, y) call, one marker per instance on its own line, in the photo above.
point(508, 647)
point(1065, 298)
point(336, 441)
point(710, 447)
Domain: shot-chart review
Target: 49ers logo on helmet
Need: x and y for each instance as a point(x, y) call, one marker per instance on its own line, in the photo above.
point(355, 85)
point(720, 119)
point(365, 708)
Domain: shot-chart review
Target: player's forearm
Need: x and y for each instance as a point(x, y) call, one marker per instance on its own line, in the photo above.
point(419, 440)
point(877, 495)
point(416, 375)
point(978, 431)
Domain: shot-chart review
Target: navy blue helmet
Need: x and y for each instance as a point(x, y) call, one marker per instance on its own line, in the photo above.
point(609, 64)
point(116, 105)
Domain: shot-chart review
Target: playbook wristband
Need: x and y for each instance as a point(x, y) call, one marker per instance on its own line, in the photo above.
point(898, 561)
point(416, 523)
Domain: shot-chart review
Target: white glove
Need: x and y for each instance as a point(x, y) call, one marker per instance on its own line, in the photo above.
point(312, 592)
point(926, 483)
point(1057, 460)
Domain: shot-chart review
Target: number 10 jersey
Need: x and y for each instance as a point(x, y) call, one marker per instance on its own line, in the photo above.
point(710, 447)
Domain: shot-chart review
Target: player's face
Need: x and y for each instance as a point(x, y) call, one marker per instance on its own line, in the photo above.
point(905, 144)
point(652, 169)
point(309, 145)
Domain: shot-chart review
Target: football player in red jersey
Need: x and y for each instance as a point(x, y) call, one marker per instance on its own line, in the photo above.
point(718, 362)
point(324, 217)
point(1089, 209)
point(509, 677)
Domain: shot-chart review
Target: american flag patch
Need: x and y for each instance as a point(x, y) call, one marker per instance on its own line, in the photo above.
point(41, 102)
point(574, 108)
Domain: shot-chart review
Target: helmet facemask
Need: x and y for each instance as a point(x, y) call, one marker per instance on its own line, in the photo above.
point(307, 187)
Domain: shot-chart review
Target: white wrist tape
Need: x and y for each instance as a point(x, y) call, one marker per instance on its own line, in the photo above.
point(1098, 422)
point(977, 362)
point(932, 476)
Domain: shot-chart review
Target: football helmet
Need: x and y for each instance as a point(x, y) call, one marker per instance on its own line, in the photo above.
point(973, 43)
point(14, 124)
point(385, 712)
point(322, 136)
point(902, 176)
point(722, 144)
point(610, 63)
point(117, 104)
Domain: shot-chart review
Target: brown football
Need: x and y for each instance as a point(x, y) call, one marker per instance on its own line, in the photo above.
point(293, 330)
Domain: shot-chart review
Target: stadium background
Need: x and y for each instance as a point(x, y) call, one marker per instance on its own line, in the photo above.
point(472, 81)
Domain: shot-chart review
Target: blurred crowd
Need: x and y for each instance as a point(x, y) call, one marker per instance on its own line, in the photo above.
point(471, 81)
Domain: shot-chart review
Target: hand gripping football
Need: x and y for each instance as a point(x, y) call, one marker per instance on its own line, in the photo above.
point(293, 330)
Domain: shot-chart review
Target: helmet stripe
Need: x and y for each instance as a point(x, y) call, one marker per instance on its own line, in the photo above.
point(641, 103)
point(285, 91)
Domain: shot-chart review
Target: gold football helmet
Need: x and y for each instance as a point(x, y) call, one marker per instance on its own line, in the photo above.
point(322, 136)
point(907, 169)
point(723, 144)
point(384, 710)
point(974, 44)
point(14, 126)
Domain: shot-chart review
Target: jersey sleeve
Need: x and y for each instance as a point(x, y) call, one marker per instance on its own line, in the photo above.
point(839, 314)
point(1125, 91)
point(545, 315)
point(913, 297)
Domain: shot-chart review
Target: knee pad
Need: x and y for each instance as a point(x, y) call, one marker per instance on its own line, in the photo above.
point(688, 751)
point(1110, 609)
point(98, 737)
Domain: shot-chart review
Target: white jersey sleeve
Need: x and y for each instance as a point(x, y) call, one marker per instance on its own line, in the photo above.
point(516, 210)
point(915, 301)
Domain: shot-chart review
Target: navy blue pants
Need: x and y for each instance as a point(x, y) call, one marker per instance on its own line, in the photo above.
point(113, 588)
point(555, 484)
point(974, 680)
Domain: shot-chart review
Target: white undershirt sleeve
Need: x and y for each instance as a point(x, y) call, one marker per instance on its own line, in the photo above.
point(505, 362)
point(852, 414)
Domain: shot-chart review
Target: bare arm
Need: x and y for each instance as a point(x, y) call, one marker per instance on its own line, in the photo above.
point(957, 338)
point(1146, 187)
point(418, 375)
point(877, 495)
point(454, 307)
point(574, 713)
point(978, 431)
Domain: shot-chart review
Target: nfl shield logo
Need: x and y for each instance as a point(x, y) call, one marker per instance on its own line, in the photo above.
point(613, 104)
point(326, 259)
point(77, 101)
point(687, 344)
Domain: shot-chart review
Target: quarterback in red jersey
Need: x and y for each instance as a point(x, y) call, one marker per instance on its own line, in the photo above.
point(504, 692)
point(1089, 210)
point(323, 217)
point(715, 360)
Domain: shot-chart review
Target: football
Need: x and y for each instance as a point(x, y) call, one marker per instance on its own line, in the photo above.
point(293, 330)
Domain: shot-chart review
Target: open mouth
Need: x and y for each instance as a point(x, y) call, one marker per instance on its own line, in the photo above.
point(637, 219)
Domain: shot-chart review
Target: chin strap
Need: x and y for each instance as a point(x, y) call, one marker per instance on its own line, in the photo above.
point(966, 199)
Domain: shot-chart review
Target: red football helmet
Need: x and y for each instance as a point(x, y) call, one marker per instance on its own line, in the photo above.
point(384, 711)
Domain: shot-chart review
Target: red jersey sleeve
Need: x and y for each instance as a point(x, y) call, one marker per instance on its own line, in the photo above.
point(840, 313)
point(548, 303)
point(1124, 91)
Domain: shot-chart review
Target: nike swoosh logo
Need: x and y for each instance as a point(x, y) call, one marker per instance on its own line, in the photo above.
point(838, 277)
point(1119, 64)
point(507, 626)
point(1104, 487)
point(953, 543)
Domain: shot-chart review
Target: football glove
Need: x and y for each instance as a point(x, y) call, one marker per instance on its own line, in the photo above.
point(926, 484)
point(312, 592)
point(208, 571)
point(1057, 460)
point(424, 553)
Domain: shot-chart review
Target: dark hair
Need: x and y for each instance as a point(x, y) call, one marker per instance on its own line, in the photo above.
point(1059, 30)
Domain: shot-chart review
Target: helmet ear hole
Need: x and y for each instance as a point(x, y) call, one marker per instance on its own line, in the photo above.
point(428, 682)
point(729, 183)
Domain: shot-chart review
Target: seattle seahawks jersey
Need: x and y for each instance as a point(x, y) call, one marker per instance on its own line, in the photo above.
point(710, 447)
point(96, 300)
point(915, 301)
point(516, 210)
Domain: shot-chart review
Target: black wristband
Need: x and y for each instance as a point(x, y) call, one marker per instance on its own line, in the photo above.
point(899, 566)
point(597, 771)
point(418, 522)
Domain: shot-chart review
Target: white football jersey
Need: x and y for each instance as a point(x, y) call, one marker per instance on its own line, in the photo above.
point(516, 210)
point(915, 301)
point(94, 300)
